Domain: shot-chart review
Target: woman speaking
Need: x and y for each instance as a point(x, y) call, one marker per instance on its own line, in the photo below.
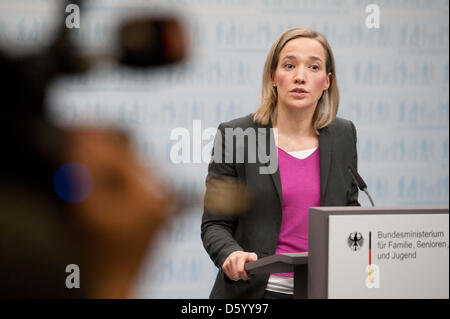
point(313, 150)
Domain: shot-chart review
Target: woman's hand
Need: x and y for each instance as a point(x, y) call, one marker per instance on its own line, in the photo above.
point(234, 265)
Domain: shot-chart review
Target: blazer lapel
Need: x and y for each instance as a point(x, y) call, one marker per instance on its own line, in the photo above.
point(264, 136)
point(325, 149)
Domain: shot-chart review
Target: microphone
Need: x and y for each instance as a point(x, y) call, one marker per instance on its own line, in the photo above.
point(360, 182)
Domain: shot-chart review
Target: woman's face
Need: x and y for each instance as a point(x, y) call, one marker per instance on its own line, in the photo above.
point(300, 76)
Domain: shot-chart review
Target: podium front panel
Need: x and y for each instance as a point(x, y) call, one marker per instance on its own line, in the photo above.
point(391, 252)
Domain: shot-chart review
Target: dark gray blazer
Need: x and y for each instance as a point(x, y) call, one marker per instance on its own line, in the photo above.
point(257, 230)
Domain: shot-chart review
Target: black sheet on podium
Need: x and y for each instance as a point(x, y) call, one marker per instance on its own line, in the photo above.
point(282, 263)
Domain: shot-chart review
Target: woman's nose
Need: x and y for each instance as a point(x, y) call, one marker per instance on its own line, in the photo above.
point(300, 76)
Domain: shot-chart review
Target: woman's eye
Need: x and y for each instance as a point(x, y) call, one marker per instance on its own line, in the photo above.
point(315, 67)
point(289, 66)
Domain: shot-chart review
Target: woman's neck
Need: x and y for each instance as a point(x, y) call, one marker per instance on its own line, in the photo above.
point(294, 123)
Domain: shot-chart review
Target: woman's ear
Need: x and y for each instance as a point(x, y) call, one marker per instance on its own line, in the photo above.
point(328, 82)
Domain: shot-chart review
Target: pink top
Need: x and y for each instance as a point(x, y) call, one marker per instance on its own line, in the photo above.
point(300, 184)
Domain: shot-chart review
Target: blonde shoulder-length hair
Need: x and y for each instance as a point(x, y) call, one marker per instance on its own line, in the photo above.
point(327, 106)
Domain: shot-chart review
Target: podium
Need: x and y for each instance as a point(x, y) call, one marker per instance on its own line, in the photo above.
point(369, 253)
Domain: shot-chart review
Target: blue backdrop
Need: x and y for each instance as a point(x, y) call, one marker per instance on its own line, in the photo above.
point(393, 80)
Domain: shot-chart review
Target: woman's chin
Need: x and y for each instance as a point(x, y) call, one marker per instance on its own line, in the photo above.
point(300, 105)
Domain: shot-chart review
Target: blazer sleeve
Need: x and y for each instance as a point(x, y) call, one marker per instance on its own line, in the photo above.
point(218, 228)
point(352, 195)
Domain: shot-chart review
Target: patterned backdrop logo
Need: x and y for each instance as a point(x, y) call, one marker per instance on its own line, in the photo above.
point(390, 51)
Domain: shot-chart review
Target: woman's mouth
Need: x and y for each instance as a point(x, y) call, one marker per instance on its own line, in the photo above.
point(299, 92)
